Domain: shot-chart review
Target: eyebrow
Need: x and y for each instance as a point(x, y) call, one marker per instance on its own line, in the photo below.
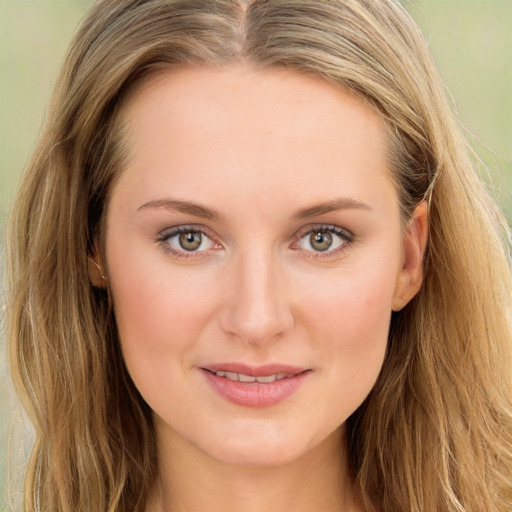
point(183, 207)
point(342, 203)
point(198, 210)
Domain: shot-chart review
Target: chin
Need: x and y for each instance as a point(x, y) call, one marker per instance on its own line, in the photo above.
point(258, 456)
point(260, 447)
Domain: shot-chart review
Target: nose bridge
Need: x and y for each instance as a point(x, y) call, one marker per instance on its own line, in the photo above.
point(257, 308)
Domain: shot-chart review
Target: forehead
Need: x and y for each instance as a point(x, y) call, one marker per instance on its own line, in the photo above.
point(218, 132)
point(247, 97)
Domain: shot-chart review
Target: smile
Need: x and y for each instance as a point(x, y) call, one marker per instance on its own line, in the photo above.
point(255, 386)
point(241, 377)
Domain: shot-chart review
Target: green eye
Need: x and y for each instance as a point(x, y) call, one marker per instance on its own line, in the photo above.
point(320, 240)
point(325, 240)
point(187, 241)
point(191, 240)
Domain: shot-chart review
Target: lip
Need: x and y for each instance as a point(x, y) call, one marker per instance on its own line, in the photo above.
point(256, 371)
point(255, 394)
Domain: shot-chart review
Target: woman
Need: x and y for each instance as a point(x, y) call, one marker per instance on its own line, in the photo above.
point(252, 268)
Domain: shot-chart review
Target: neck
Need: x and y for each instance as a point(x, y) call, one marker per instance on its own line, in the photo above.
point(189, 480)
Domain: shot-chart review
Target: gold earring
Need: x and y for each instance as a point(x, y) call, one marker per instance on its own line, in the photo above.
point(99, 268)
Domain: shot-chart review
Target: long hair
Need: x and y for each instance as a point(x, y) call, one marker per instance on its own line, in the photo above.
point(435, 433)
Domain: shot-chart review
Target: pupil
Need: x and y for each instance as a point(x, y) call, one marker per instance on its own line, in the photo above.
point(190, 241)
point(321, 240)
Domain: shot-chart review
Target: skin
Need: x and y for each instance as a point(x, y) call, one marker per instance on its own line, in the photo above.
point(260, 149)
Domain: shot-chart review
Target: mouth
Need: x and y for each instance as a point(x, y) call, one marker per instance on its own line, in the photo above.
point(251, 386)
point(242, 377)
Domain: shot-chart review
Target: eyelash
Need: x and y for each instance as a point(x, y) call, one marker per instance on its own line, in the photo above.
point(165, 236)
point(347, 239)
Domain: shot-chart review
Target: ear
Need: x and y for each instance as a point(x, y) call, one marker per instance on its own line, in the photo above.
point(410, 276)
point(97, 274)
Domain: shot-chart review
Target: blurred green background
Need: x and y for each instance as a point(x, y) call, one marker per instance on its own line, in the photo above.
point(470, 39)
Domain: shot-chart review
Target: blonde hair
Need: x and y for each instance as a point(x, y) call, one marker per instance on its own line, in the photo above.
point(435, 433)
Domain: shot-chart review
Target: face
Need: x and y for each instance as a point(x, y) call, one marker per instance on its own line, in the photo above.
point(255, 252)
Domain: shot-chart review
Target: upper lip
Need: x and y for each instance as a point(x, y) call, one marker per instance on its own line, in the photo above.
point(256, 371)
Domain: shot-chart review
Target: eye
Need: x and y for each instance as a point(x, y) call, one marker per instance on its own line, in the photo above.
point(184, 241)
point(320, 240)
point(325, 239)
point(190, 241)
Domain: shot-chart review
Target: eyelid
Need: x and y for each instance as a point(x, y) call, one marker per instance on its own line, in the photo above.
point(170, 232)
point(346, 235)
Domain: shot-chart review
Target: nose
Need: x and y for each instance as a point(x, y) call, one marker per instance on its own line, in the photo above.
point(256, 308)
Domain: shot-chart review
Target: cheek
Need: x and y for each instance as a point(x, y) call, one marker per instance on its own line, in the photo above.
point(159, 315)
point(349, 320)
point(353, 306)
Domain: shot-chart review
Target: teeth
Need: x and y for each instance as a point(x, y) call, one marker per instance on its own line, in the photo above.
point(240, 377)
point(246, 378)
point(266, 379)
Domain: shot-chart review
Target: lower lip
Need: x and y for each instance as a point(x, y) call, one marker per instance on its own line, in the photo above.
point(255, 394)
